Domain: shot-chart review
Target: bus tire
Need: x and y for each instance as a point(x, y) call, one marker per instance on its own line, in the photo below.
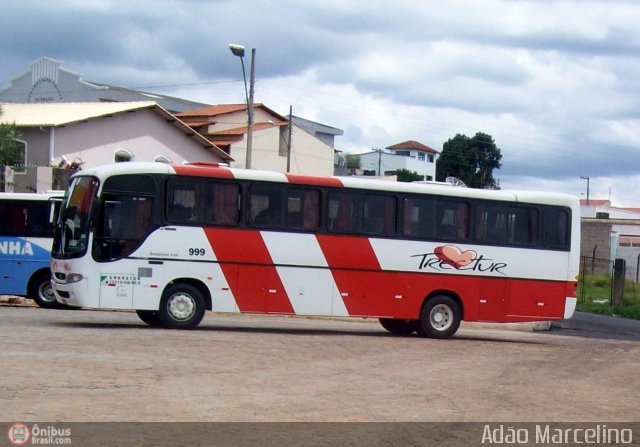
point(151, 317)
point(182, 307)
point(398, 327)
point(440, 317)
point(41, 292)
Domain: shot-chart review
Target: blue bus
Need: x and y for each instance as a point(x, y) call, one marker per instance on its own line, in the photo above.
point(26, 237)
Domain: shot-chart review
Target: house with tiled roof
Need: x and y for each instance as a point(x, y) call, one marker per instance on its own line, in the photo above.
point(410, 155)
point(89, 134)
point(277, 144)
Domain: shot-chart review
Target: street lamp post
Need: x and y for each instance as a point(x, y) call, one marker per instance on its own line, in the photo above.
point(238, 50)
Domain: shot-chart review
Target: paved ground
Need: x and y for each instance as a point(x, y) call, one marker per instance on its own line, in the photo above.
point(76, 365)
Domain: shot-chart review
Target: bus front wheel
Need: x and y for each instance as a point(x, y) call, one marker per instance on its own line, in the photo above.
point(41, 292)
point(182, 307)
point(440, 317)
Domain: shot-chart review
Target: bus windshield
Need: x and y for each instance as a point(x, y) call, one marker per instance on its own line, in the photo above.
point(72, 230)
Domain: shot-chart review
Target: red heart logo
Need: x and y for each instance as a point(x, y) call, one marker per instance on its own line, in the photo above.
point(452, 255)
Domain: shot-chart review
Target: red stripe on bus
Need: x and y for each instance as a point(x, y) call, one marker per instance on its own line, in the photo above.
point(203, 171)
point(313, 180)
point(249, 270)
point(348, 251)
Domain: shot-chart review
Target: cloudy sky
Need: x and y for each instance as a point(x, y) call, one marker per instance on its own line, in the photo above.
point(556, 83)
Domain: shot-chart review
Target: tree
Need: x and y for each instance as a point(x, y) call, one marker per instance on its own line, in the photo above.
point(488, 158)
point(9, 149)
point(472, 160)
point(353, 161)
point(404, 175)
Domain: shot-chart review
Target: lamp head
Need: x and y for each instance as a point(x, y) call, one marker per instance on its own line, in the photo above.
point(237, 50)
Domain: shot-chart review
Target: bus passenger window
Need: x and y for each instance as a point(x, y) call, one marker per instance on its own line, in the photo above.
point(379, 215)
point(344, 212)
point(452, 220)
point(226, 203)
point(13, 222)
point(303, 209)
point(265, 208)
point(419, 217)
point(181, 201)
point(555, 228)
point(38, 220)
point(311, 210)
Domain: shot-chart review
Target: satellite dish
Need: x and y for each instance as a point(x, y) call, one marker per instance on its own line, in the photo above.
point(454, 181)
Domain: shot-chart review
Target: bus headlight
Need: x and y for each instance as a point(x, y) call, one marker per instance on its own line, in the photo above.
point(74, 277)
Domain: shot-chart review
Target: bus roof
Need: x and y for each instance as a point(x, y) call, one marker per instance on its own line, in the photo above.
point(30, 195)
point(215, 171)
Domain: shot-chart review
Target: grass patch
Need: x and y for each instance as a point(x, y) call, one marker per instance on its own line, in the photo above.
point(594, 292)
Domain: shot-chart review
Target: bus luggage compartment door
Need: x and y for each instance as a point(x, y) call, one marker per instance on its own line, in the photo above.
point(116, 290)
point(493, 296)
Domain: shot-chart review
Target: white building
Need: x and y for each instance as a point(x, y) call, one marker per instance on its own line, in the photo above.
point(409, 155)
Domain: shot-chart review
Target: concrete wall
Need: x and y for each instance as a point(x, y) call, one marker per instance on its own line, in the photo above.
point(596, 238)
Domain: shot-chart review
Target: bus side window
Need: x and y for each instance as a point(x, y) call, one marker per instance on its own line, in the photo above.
point(303, 209)
point(555, 228)
point(419, 217)
point(523, 225)
point(38, 220)
point(181, 201)
point(379, 215)
point(13, 221)
point(226, 203)
point(311, 210)
point(265, 206)
point(344, 210)
point(452, 220)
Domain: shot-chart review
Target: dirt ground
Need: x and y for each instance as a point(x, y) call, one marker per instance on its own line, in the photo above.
point(77, 365)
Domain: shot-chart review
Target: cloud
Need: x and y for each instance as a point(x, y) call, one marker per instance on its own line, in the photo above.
point(554, 82)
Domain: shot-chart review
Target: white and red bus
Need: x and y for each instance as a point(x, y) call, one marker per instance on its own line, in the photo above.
point(172, 241)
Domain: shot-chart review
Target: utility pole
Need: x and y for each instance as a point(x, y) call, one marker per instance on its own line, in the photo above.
point(289, 139)
point(379, 162)
point(584, 177)
point(252, 81)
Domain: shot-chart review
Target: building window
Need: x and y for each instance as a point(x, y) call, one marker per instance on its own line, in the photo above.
point(122, 155)
point(16, 157)
point(421, 156)
point(430, 158)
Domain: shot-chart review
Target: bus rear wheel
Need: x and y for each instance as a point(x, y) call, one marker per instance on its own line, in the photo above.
point(151, 317)
point(182, 307)
point(440, 317)
point(398, 327)
point(41, 292)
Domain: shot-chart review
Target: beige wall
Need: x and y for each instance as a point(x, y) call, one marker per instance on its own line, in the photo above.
point(309, 155)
